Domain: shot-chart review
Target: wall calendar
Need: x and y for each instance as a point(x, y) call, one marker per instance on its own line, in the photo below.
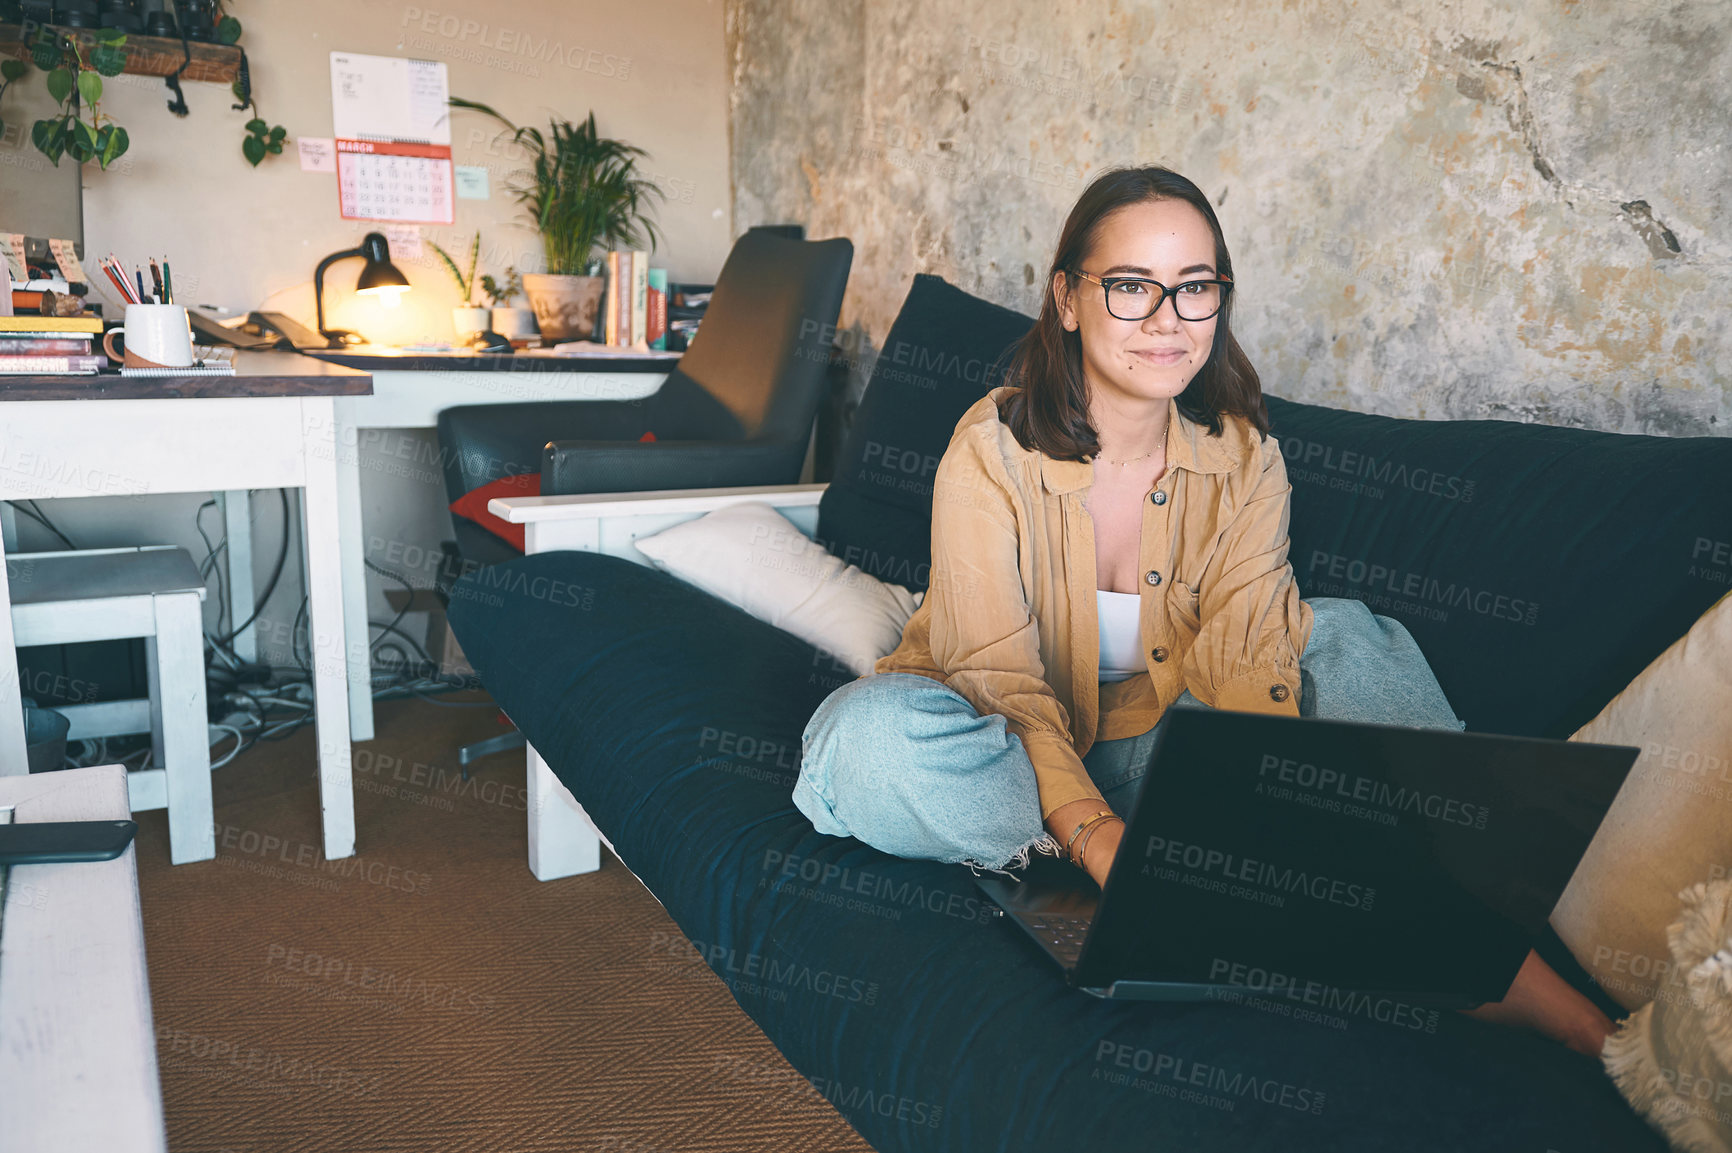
point(400, 182)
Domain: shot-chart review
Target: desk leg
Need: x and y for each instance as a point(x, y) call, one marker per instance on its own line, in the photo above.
point(14, 757)
point(352, 554)
point(562, 842)
point(237, 513)
point(331, 655)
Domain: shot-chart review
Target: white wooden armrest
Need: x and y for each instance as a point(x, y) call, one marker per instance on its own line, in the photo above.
point(608, 522)
point(562, 840)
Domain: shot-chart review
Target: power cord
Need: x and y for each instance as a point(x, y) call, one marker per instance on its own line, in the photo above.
point(34, 511)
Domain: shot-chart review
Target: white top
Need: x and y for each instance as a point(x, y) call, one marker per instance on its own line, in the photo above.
point(1121, 634)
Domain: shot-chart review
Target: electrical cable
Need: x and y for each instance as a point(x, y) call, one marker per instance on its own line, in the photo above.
point(52, 527)
point(395, 621)
point(35, 514)
point(276, 574)
point(209, 566)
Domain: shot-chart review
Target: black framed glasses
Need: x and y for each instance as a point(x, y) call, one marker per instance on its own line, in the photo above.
point(1136, 298)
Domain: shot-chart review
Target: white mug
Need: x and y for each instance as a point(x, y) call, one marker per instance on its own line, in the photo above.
point(154, 336)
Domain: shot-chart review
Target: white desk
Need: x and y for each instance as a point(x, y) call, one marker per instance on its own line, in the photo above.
point(77, 1051)
point(413, 398)
point(270, 426)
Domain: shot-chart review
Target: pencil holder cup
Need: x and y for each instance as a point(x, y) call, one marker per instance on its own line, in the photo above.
point(154, 336)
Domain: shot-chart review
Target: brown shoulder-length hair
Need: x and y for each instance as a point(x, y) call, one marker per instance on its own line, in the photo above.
point(1049, 409)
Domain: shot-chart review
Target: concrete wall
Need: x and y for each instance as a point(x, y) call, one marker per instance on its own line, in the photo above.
point(1475, 210)
point(242, 238)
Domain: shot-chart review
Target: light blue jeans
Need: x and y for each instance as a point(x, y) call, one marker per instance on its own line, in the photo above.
point(908, 766)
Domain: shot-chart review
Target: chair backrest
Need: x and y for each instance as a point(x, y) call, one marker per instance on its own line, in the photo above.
point(764, 344)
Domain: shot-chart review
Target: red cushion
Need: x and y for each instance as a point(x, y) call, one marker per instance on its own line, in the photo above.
point(472, 505)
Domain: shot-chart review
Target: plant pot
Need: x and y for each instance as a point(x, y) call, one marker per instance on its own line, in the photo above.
point(514, 323)
point(565, 306)
point(469, 321)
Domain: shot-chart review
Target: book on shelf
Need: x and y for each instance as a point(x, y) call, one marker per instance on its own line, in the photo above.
point(621, 300)
point(656, 324)
point(639, 297)
point(33, 325)
point(75, 345)
point(610, 301)
point(50, 365)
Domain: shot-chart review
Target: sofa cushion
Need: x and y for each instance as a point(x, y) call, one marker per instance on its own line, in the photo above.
point(1540, 569)
point(675, 719)
point(945, 350)
point(1671, 825)
point(752, 556)
point(472, 505)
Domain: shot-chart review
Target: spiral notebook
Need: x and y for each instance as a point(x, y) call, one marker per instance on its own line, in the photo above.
point(209, 369)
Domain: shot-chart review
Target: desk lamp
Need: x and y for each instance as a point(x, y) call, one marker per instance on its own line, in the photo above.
point(379, 278)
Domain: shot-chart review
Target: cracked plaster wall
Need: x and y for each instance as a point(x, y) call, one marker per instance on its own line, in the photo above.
point(1455, 211)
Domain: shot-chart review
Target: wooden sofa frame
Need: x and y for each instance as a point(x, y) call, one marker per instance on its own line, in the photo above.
point(562, 840)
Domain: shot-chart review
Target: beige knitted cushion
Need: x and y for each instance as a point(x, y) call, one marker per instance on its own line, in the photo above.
point(1672, 1060)
point(1671, 824)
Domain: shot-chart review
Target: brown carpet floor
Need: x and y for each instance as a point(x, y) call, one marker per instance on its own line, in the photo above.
point(430, 994)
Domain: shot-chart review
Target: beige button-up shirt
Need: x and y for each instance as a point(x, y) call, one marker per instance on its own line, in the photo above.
point(1009, 620)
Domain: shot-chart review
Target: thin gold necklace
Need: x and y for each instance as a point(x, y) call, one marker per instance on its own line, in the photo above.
point(1132, 460)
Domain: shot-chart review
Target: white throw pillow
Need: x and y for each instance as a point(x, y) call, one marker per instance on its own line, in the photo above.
point(1671, 824)
point(753, 557)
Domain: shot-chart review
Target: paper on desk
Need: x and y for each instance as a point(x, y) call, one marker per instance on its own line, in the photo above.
point(591, 348)
point(66, 256)
point(12, 245)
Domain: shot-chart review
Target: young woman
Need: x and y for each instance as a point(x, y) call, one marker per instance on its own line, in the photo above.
point(1109, 539)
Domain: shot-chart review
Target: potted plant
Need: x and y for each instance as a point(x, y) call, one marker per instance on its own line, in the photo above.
point(582, 191)
point(515, 324)
point(469, 317)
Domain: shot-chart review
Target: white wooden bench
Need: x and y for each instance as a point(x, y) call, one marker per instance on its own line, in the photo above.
point(153, 592)
point(562, 840)
point(78, 1066)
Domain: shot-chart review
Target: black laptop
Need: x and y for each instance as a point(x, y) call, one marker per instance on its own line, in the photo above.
point(1279, 855)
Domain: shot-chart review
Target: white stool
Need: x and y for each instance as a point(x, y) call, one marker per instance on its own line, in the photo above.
point(153, 592)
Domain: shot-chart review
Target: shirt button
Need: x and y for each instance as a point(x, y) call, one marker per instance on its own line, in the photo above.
point(1159, 654)
point(1158, 497)
point(1153, 578)
point(1277, 692)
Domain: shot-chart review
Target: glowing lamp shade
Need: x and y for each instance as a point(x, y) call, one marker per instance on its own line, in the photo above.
point(379, 277)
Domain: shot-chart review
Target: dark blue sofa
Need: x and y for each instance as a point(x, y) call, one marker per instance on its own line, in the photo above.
point(1539, 568)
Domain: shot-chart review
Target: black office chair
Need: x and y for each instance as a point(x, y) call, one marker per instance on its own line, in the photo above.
point(737, 409)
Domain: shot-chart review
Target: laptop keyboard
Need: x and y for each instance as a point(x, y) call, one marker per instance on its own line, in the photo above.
point(1063, 935)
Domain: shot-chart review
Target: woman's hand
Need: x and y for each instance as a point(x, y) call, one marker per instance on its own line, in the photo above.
point(1100, 843)
point(1541, 1000)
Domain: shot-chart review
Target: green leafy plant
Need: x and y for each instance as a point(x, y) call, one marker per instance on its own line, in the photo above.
point(262, 138)
point(581, 189)
point(80, 129)
point(465, 282)
point(11, 71)
point(499, 294)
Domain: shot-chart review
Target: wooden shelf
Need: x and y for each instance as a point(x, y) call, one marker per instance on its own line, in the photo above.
point(145, 55)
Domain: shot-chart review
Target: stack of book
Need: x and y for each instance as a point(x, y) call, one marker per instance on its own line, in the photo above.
point(49, 345)
point(636, 305)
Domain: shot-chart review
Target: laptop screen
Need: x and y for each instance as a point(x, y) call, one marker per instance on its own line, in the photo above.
point(1274, 849)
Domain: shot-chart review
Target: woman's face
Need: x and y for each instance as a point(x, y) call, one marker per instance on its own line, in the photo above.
point(1164, 240)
